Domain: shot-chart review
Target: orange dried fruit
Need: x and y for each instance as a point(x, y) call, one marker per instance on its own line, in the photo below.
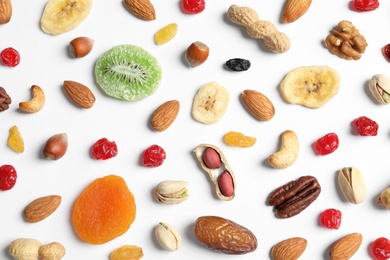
point(127, 252)
point(239, 139)
point(104, 210)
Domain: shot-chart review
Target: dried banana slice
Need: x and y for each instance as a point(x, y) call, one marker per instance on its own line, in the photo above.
point(310, 86)
point(60, 16)
point(210, 103)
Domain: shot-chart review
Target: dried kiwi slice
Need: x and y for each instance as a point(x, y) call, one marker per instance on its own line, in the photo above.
point(128, 72)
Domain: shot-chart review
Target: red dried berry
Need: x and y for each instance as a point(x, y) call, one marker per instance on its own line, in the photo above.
point(10, 57)
point(8, 176)
point(104, 149)
point(364, 126)
point(153, 156)
point(326, 144)
point(381, 248)
point(331, 218)
point(364, 5)
point(193, 6)
point(386, 52)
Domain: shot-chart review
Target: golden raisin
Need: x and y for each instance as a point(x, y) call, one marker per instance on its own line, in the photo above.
point(165, 34)
point(15, 140)
point(239, 139)
point(127, 252)
point(104, 210)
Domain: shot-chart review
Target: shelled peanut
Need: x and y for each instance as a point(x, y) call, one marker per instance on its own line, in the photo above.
point(214, 163)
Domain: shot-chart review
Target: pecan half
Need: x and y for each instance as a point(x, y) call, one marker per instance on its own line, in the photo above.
point(292, 198)
point(5, 100)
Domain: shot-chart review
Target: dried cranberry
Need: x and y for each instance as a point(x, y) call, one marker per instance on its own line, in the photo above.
point(381, 248)
point(8, 176)
point(153, 156)
point(104, 149)
point(364, 5)
point(364, 126)
point(386, 52)
point(326, 144)
point(331, 218)
point(193, 6)
point(10, 57)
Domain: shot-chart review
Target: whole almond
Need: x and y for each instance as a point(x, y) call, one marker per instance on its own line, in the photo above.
point(258, 104)
point(5, 11)
point(294, 9)
point(164, 115)
point(289, 249)
point(143, 9)
point(346, 247)
point(41, 208)
point(79, 93)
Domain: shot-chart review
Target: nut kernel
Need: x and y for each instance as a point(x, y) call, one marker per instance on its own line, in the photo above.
point(171, 192)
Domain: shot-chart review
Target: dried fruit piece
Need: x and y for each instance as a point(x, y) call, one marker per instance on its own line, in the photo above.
point(60, 16)
point(128, 72)
point(233, 138)
point(331, 218)
point(224, 235)
point(193, 6)
point(10, 57)
point(386, 52)
point(127, 252)
point(365, 126)
point(104, 149)
point(381, 248)
point(15, 140)
point(104, 211)
point(41, 208)
point(153, 156)
point(327, 144)
point(364, 5)
point(238, 64)
point(165, 34)
point(310, 86)
point(8, 177)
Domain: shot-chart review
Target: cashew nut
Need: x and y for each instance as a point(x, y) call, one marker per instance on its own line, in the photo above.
point(36, 103)
point(288, 153)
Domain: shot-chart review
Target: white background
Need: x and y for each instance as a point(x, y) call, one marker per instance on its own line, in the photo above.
point(45, 62)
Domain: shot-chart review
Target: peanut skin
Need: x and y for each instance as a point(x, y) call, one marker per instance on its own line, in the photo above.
point(225, 183)
point(211, 158)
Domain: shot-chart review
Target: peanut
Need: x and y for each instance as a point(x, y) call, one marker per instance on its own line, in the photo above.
point(225, 183)
point(211, 158)
point(32, 249)
point(259, 29)
point(51, 251)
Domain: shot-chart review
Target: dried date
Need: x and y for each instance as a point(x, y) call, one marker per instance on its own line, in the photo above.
point(238, 64)
point(295, 196)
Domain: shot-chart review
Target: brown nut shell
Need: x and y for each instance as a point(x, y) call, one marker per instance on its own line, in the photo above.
point(197, 53)
point(79, 47)
point(55, 147)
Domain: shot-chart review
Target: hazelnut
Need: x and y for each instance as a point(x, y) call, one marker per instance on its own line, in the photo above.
point(55, 147)
point(80, 46)
point(197, 53)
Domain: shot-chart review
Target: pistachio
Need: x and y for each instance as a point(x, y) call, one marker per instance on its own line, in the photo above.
point(171, 192)
point(168, 237)
point(352, 185)
point(379, 86)
point(384, 198)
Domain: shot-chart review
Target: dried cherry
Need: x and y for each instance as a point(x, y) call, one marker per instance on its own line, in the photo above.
point(364, 5)
point(381, 248)
point(104, 149)
point(10, 57)
point(331, 218)
point(386, 52)
point(193, 6)
point(153, 156)
point(326, 144)
point(8, 176)
point(365, 126)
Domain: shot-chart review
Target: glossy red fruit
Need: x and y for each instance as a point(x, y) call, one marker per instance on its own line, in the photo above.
point(193, 6)
point(381, 248)
point(153, 156)
point(104, 149)
point(331, 218)
point(10, 57)
point(326, 144)
point(364, 5)
point(8, 176)
point(386, 52)
point(365, 126)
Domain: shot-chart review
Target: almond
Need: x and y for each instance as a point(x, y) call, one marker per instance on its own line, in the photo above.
point(346, 247)
point(41, 208)
point(143, 9)
point(294, 9)
point(258, 104)
point(290, 249)
point(5, 11)
point(79, 93)
point(164, 115)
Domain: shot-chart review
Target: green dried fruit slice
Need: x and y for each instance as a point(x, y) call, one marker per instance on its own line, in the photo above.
point(128, 72)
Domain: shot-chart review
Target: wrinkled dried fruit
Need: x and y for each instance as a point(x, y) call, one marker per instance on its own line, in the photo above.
point(10, 57)
point(364, 5)
point(8, 176)
point(365, 126)
point(224, 235)
point(381, 248)
point(104, 211)
point(239, 139)
point(165, 34)
point(153, 156)
point(104, 149)
point(331, 218)
point(326, 144)
point(15, 140)
point(127, 252)
point(238, 64)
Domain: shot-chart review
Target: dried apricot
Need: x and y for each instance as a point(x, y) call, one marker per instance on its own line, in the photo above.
point(127, 252)
point(15, 140)
point(239, 139)
point(104, 210)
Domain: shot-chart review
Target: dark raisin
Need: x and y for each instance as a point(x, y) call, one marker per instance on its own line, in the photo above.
point(238, 64)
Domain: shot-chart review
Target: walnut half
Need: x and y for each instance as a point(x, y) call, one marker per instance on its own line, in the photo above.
point(346, 41)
